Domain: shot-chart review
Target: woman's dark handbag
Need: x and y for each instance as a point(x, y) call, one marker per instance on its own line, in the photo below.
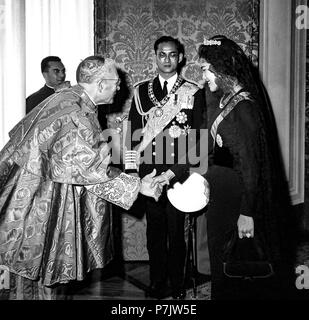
point(246, 258)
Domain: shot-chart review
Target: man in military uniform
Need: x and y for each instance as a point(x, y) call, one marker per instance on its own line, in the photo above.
point(167, 109)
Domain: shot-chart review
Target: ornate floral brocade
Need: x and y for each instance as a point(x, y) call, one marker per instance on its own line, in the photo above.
point(50, 228)
point(122, 190)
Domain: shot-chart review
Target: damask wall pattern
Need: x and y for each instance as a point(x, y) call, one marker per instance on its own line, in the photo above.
point(126, 30)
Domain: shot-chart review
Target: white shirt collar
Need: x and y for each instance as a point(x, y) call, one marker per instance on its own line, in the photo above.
point(49, 86)
point(170, 82)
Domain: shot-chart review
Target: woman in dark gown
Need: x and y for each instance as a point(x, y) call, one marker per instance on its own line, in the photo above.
point(248, 189)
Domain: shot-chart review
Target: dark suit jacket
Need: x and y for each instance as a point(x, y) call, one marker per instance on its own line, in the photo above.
point(165, 156)
point(37, 97)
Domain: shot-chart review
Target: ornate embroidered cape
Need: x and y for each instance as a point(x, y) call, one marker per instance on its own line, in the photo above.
point(51, 227)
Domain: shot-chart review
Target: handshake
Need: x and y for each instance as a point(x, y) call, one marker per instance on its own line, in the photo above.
point(152, 186)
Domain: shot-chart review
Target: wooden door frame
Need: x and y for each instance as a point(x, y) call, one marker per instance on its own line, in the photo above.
point(282, 64)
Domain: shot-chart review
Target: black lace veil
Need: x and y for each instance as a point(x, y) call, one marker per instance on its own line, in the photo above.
point(228, 59)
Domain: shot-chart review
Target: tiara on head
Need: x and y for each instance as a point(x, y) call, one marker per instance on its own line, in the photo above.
point(211, 42)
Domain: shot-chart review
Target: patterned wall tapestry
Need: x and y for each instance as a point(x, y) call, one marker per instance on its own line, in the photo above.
point(126, 30)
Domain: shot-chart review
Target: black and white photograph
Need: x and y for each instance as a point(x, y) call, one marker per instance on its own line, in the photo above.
point(154, 154)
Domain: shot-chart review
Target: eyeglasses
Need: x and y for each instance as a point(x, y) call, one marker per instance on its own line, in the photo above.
point(117, 83)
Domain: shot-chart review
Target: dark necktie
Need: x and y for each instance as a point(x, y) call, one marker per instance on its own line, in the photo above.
point(164, 89)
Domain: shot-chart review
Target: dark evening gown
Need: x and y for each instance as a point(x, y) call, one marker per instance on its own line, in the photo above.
point(246, 178)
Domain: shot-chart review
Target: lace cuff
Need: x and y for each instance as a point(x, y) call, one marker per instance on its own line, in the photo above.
point(121, 191)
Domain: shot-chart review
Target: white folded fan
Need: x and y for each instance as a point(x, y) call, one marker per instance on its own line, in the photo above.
point(190, 196)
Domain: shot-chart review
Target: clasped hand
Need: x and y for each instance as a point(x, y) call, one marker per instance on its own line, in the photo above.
point(148, 188)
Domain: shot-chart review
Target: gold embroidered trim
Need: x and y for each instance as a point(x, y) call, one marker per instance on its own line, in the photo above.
point(121, 191)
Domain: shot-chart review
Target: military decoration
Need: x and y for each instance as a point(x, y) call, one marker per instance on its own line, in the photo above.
point(174, 131)
point(188, 102)
point(186, 130)
point(181, 117)
point(159, 112)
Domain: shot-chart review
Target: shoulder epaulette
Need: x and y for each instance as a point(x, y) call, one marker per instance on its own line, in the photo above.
point(140, 82)
point(194, 83)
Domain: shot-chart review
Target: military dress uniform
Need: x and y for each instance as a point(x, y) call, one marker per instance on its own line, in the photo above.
point(166, 125)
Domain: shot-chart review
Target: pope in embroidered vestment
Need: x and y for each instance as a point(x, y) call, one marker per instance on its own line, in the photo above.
point(54, 182)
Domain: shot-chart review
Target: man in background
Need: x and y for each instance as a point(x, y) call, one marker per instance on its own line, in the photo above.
point(53, 72)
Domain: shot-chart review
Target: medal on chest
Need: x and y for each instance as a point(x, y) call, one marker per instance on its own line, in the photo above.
point(159, 112)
